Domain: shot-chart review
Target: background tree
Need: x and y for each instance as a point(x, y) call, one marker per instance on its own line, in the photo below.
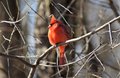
point(11, 41)
point(24, 49)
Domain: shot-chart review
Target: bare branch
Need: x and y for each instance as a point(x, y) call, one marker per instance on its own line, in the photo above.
point(35, 11)
point(32, 71)
point(110, 34)
point(13, 22)
point(87, 60)
point(92, 32)
point(67, 8)
point(17, 58)
point(33, 67)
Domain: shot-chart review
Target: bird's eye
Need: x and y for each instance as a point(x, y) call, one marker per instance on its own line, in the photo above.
point(51, 24)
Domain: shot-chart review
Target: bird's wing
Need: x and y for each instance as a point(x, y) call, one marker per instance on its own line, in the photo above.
point(67, 30)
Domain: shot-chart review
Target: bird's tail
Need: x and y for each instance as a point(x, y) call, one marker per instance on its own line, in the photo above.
point(62, 57)
point(61, 60)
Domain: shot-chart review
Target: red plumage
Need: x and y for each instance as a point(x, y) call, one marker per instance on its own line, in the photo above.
point(58, 33)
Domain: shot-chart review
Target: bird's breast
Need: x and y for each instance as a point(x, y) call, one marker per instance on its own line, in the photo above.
point(57, 35)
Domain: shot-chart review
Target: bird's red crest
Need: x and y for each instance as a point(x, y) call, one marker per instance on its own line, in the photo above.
point(53, 19)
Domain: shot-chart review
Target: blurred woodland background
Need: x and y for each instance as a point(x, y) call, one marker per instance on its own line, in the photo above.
point(25, 51)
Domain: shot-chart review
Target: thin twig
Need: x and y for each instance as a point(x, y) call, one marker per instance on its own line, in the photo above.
point(74, 61)
point(53, 4)
point(69, 5)
point(57, 60)
point(11, 36)
point(68, 69)
point(115, 46)
point(99, 61)
point(44, 19)
point(110, 34)
point(32, 71)
point(92, 32)
point(96, 76)
point(86, 61)
point(13, 22)
point(66, 9)
point(17, 58)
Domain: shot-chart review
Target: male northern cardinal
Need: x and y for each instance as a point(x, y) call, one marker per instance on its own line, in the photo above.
point(58, 33)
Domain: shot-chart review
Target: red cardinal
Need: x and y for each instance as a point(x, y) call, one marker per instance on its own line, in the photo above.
point(58, 33)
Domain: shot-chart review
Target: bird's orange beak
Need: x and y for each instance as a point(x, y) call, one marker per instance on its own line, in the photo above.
point(49, 26)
